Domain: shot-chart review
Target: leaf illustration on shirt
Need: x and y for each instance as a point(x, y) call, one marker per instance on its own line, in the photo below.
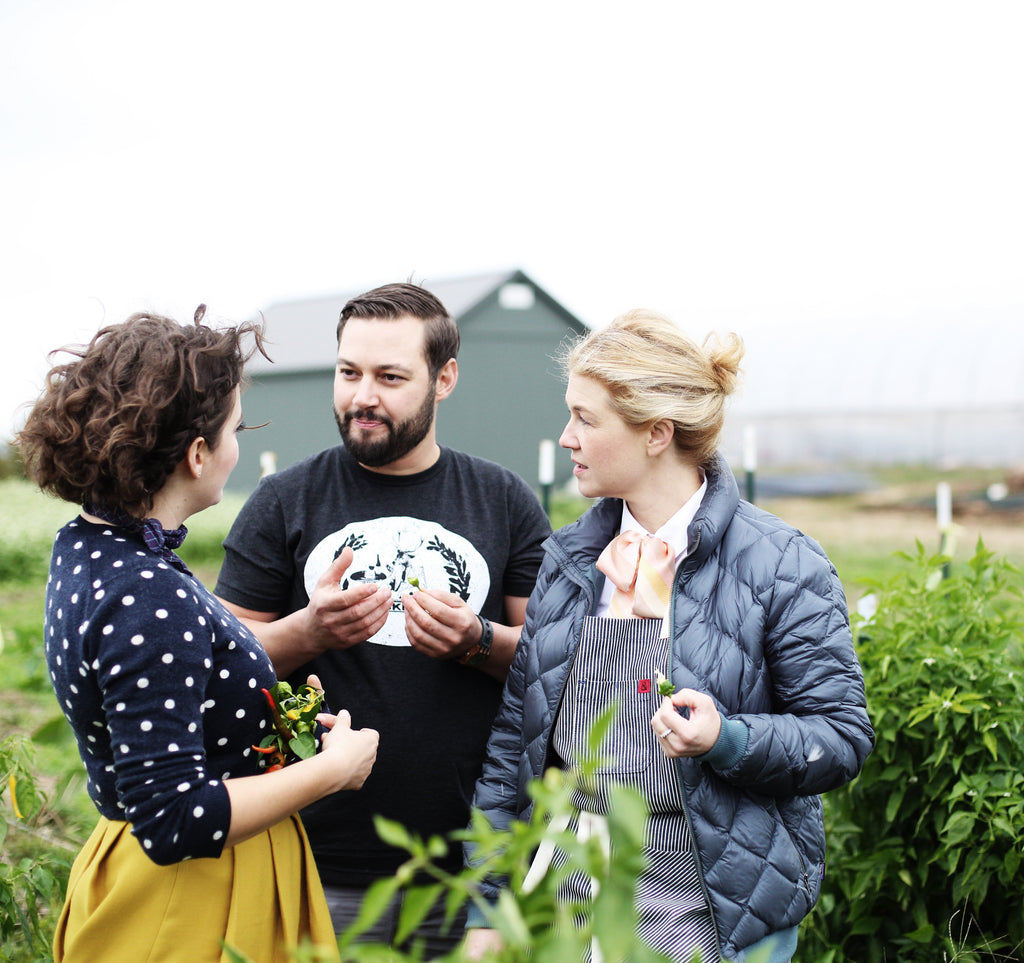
point(354, 542)
point(455, 567)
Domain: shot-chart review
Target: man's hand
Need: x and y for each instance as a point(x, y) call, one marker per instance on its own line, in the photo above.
point(440, 624)
point(334, 618)
point(339, 618)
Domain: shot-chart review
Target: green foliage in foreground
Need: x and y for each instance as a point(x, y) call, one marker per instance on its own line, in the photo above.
point(925, 847)
point(537, 924)
point(33, 874)
point(534, 922)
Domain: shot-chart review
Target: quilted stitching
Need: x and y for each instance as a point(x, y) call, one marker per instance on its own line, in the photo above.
point(760, 622)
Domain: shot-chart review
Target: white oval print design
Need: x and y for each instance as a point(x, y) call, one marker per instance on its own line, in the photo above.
point(392, 550)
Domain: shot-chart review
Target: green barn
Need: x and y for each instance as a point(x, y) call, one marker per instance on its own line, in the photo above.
point(509, 396)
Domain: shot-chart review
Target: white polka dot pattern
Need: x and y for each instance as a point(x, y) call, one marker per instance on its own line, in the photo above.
point(160, 684)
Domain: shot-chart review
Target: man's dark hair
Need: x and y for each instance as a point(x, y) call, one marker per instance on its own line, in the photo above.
point(393, 301)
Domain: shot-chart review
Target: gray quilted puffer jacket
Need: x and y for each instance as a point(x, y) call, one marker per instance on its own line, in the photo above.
point(759, 622)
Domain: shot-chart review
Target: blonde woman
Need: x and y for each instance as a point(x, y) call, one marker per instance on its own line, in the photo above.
point(671, 573)
point(194, 846)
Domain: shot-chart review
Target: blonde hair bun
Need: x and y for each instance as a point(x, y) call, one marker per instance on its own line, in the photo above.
point(653, 370)
point(724, 357)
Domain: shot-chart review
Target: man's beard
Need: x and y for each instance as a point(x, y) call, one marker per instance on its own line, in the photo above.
point(399, 440)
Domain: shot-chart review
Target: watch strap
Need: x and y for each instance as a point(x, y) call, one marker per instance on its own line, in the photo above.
point(480, 652)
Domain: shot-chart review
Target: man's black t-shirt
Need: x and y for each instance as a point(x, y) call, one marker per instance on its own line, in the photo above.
point(465, 526)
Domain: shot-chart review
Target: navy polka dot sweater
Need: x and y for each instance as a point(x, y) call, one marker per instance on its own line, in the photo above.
point(161, 685)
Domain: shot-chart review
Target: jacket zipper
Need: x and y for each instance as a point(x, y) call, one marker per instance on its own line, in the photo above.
point(679, 767)
point(586, 587)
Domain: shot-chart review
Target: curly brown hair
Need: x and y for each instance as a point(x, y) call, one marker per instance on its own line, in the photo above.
point(110, 427)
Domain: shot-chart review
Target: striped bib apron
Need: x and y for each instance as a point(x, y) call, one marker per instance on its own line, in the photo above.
point(616, 661)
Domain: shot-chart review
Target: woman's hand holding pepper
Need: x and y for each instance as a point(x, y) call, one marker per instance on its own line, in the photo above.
point(353, 750)
point(692, 734)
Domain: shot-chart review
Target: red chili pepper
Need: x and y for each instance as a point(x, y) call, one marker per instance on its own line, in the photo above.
point(276, 760)
point(280, 724)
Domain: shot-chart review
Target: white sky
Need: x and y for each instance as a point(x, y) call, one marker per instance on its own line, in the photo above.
point(762, 166)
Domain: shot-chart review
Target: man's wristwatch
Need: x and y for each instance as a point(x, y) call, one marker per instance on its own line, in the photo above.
point(480, 652)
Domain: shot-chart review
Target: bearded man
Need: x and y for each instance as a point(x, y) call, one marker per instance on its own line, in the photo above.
point(397, 570)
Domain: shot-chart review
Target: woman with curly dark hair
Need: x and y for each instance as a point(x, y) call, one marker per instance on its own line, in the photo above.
point(195, 846)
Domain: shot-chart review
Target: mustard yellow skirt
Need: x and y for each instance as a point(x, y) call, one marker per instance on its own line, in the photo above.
point(261, 898)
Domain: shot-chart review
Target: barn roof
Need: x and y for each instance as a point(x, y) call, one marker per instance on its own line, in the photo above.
point(301, 332)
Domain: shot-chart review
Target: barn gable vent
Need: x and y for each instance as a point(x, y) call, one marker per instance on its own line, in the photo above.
point(516, 296)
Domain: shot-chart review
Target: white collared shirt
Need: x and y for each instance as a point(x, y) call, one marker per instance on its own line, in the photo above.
point(674, 531)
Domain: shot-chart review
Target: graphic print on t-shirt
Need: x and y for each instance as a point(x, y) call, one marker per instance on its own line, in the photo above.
point(392, 550)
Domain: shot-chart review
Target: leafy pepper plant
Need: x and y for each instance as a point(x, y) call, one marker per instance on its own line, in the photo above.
point(294, 714)
point(926, 846)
